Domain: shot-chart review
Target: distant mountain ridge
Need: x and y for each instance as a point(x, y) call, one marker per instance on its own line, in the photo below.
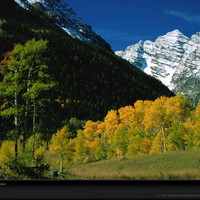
point(173, 58)
point(67, 19)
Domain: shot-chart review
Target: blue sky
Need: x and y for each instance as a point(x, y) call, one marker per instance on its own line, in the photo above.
point(124, 22)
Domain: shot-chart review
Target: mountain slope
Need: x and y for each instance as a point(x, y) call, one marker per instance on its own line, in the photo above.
point(66, 18)
point(92, 79)
point(186, 77)
point(172, 58)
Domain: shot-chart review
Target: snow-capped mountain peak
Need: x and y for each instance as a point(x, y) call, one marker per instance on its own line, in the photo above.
point(173, 58)
point(66, 18)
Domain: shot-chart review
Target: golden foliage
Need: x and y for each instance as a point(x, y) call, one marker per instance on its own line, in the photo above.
point(7, 153)
point(60, 141)
point(156, 145)
point(146, 127)
point(146, 146)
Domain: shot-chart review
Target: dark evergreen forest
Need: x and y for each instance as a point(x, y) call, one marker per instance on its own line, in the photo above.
point(90, 80)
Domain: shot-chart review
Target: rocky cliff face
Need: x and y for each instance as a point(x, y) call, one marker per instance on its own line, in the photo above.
point(173, 58)
point(67, 19)
point(186, 78)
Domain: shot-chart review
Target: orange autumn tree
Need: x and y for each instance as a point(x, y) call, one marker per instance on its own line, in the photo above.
point(4, 63)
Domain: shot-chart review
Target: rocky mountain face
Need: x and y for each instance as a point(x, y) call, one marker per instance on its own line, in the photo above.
point(67, 19)
point(173, 58)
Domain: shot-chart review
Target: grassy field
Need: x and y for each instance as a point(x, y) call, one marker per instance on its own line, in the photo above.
point(170, 165)
point(184, 165)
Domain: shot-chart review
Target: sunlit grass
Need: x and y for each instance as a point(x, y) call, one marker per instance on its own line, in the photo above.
point(171, 165)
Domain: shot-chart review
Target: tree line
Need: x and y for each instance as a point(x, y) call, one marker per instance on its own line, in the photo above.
point(166, 124)
point(148, 127)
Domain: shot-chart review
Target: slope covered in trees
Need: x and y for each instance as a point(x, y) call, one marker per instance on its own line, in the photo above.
point(89, 80)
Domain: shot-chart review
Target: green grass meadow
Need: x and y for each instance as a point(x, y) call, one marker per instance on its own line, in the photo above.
point(184, 165)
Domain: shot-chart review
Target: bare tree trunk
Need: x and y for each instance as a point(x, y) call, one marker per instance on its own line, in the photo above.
point(26, 110)
point(61, 163)
point(16, 118)
point(165, 149)
point(25, 127)
point(16, 134)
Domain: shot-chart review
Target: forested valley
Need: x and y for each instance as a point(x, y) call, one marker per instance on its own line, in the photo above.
point(79, 100)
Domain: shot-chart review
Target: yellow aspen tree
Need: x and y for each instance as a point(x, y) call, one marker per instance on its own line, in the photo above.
point(121, 140)
point(26, 155)
point(135, 140)
point(136, 133)
point(102, 142)
point(101, 132)
point(196, 133)
point(100, 151)
point(189, 127)
point(146, 145)
point(112, 118)
point(141, 107)
point(90, 129)
point(178, 108)
point(112, 121)
point(119, 153)
point(61, 144)
point(126, 115)
point(157, 144)
point(154, 119)
point(134, 145)
point(80, 150)
point(39, 154)
point(173, 107)
point(176, 138)
point(90, 134)
point(7, 155)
